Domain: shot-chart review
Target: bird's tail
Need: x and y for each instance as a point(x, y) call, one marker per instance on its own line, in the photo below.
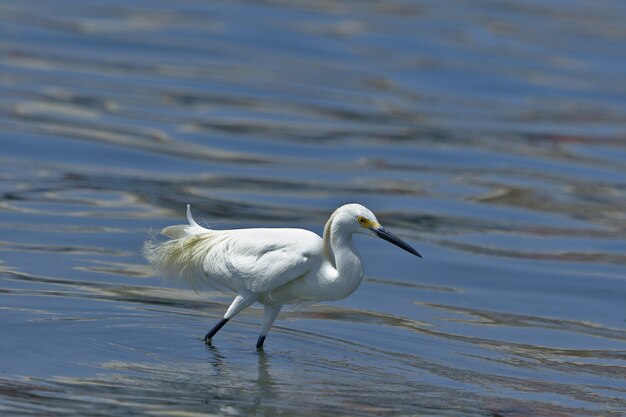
point(182, 257)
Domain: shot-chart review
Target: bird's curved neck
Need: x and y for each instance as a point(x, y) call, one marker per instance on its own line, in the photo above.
point(345, 259)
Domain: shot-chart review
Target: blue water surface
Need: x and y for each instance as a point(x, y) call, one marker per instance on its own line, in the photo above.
point(490, 135)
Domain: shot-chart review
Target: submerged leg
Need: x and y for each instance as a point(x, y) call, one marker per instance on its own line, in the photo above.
point(269, 315)
point(239, 303)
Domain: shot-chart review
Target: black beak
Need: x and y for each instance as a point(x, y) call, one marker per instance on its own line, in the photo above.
point(390, 237)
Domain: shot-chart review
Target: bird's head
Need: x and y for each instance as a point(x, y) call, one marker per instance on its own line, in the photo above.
point(360, 219)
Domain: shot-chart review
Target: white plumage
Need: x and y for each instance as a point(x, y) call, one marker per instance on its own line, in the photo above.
point(271, 266)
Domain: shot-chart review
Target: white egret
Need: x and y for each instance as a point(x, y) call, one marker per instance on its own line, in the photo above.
point(271, 266)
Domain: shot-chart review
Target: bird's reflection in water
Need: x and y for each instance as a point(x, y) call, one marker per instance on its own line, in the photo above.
point(264, 379)
point(260, 392)
point(216, 358)
point(266, 395)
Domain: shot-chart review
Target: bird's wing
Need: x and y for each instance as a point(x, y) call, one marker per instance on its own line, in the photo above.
point(260, 260)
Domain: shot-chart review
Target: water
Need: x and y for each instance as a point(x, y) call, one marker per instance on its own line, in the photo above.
point(490, 135)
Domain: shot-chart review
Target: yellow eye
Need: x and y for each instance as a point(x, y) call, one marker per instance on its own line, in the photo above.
point(361, 220)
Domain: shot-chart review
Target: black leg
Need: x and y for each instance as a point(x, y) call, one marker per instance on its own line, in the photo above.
point(215, 329)
point(260, 341)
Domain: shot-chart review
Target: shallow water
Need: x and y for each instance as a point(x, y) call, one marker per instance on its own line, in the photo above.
point(489, 135)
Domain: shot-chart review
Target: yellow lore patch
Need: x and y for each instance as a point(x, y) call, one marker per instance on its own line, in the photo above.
point(367, 223)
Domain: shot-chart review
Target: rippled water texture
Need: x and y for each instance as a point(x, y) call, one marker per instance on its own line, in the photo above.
point(490, 135)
